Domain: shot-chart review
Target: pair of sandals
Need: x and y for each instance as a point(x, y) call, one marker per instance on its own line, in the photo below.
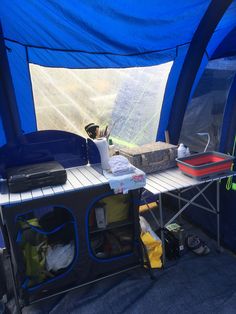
point(196, 245)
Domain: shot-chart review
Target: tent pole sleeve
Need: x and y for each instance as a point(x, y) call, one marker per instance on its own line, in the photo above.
point(191, 64)
point(9, 110)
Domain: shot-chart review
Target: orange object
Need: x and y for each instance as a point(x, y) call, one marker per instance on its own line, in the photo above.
point(205, 164)
point(145, 207)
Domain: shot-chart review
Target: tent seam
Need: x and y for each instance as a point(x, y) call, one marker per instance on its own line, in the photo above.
point(93, 52)
point(31, 86)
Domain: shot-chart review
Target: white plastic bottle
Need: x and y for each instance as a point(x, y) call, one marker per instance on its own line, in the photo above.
point(181, 151)
point(187, 153)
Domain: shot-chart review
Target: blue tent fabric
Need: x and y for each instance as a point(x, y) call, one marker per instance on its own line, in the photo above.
point(227, 23)
point(192, 63)
point(9, 110)
point(2, 244)
point(84, 60)
point(169, 92)
point(19, 68)
point(228, 131)
point(227, 46)
point(100, 33)
point(228, 19)
point(219, 40)
point(118, 28)
point(2, 133)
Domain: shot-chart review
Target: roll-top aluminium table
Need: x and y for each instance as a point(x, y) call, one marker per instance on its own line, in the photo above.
point(174, 183)
point(78, 178)
point(86, 183)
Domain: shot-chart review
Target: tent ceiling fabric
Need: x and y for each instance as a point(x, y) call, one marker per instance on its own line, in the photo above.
point(98, 34)
point(116, 28)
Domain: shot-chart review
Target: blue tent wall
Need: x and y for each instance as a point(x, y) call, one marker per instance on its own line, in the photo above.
point(192, 64)
point(170, 118)
point(227, 47)
point(228, 215)
point(228, 131)
point(19, 67)
point(8, 106)
point(170, 90)
point(2, 132)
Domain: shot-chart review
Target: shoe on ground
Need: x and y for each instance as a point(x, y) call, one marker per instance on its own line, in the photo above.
point(196, 245)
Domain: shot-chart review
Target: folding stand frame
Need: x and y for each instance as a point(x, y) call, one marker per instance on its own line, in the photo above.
point(174, 184)
point(84, 187)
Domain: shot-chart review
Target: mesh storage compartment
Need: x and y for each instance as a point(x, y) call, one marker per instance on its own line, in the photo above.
point(61, 242)
point(111, 227)
point(46, 244)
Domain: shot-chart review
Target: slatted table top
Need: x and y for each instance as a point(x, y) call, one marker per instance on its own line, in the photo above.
point(78, 178)
point(173, 179)
point(87, 176)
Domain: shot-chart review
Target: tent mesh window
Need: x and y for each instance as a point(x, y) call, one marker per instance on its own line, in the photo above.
point(204, 113)
point(128, 100)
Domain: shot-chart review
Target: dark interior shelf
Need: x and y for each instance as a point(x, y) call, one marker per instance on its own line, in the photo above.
point(112, 226)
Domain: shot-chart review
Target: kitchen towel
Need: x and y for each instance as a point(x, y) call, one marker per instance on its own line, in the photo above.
point(102, 146)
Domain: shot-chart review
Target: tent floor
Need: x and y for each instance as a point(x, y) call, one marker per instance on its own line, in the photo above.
point(191, 284)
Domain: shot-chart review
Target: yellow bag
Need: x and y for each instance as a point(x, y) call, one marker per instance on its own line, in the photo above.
point(154, 249)
point(117, 207)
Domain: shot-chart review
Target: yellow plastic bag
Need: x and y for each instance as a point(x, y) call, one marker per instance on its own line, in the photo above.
point(154, 249)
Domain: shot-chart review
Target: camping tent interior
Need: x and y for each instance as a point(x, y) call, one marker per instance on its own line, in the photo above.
point(184, 51)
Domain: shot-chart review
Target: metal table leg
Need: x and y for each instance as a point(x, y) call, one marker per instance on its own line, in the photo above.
point(218, 213)
point(11, 268)
point(180, 206)
point(162, 231)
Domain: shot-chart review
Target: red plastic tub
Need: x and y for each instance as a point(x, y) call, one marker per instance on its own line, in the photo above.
point(207, 164)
